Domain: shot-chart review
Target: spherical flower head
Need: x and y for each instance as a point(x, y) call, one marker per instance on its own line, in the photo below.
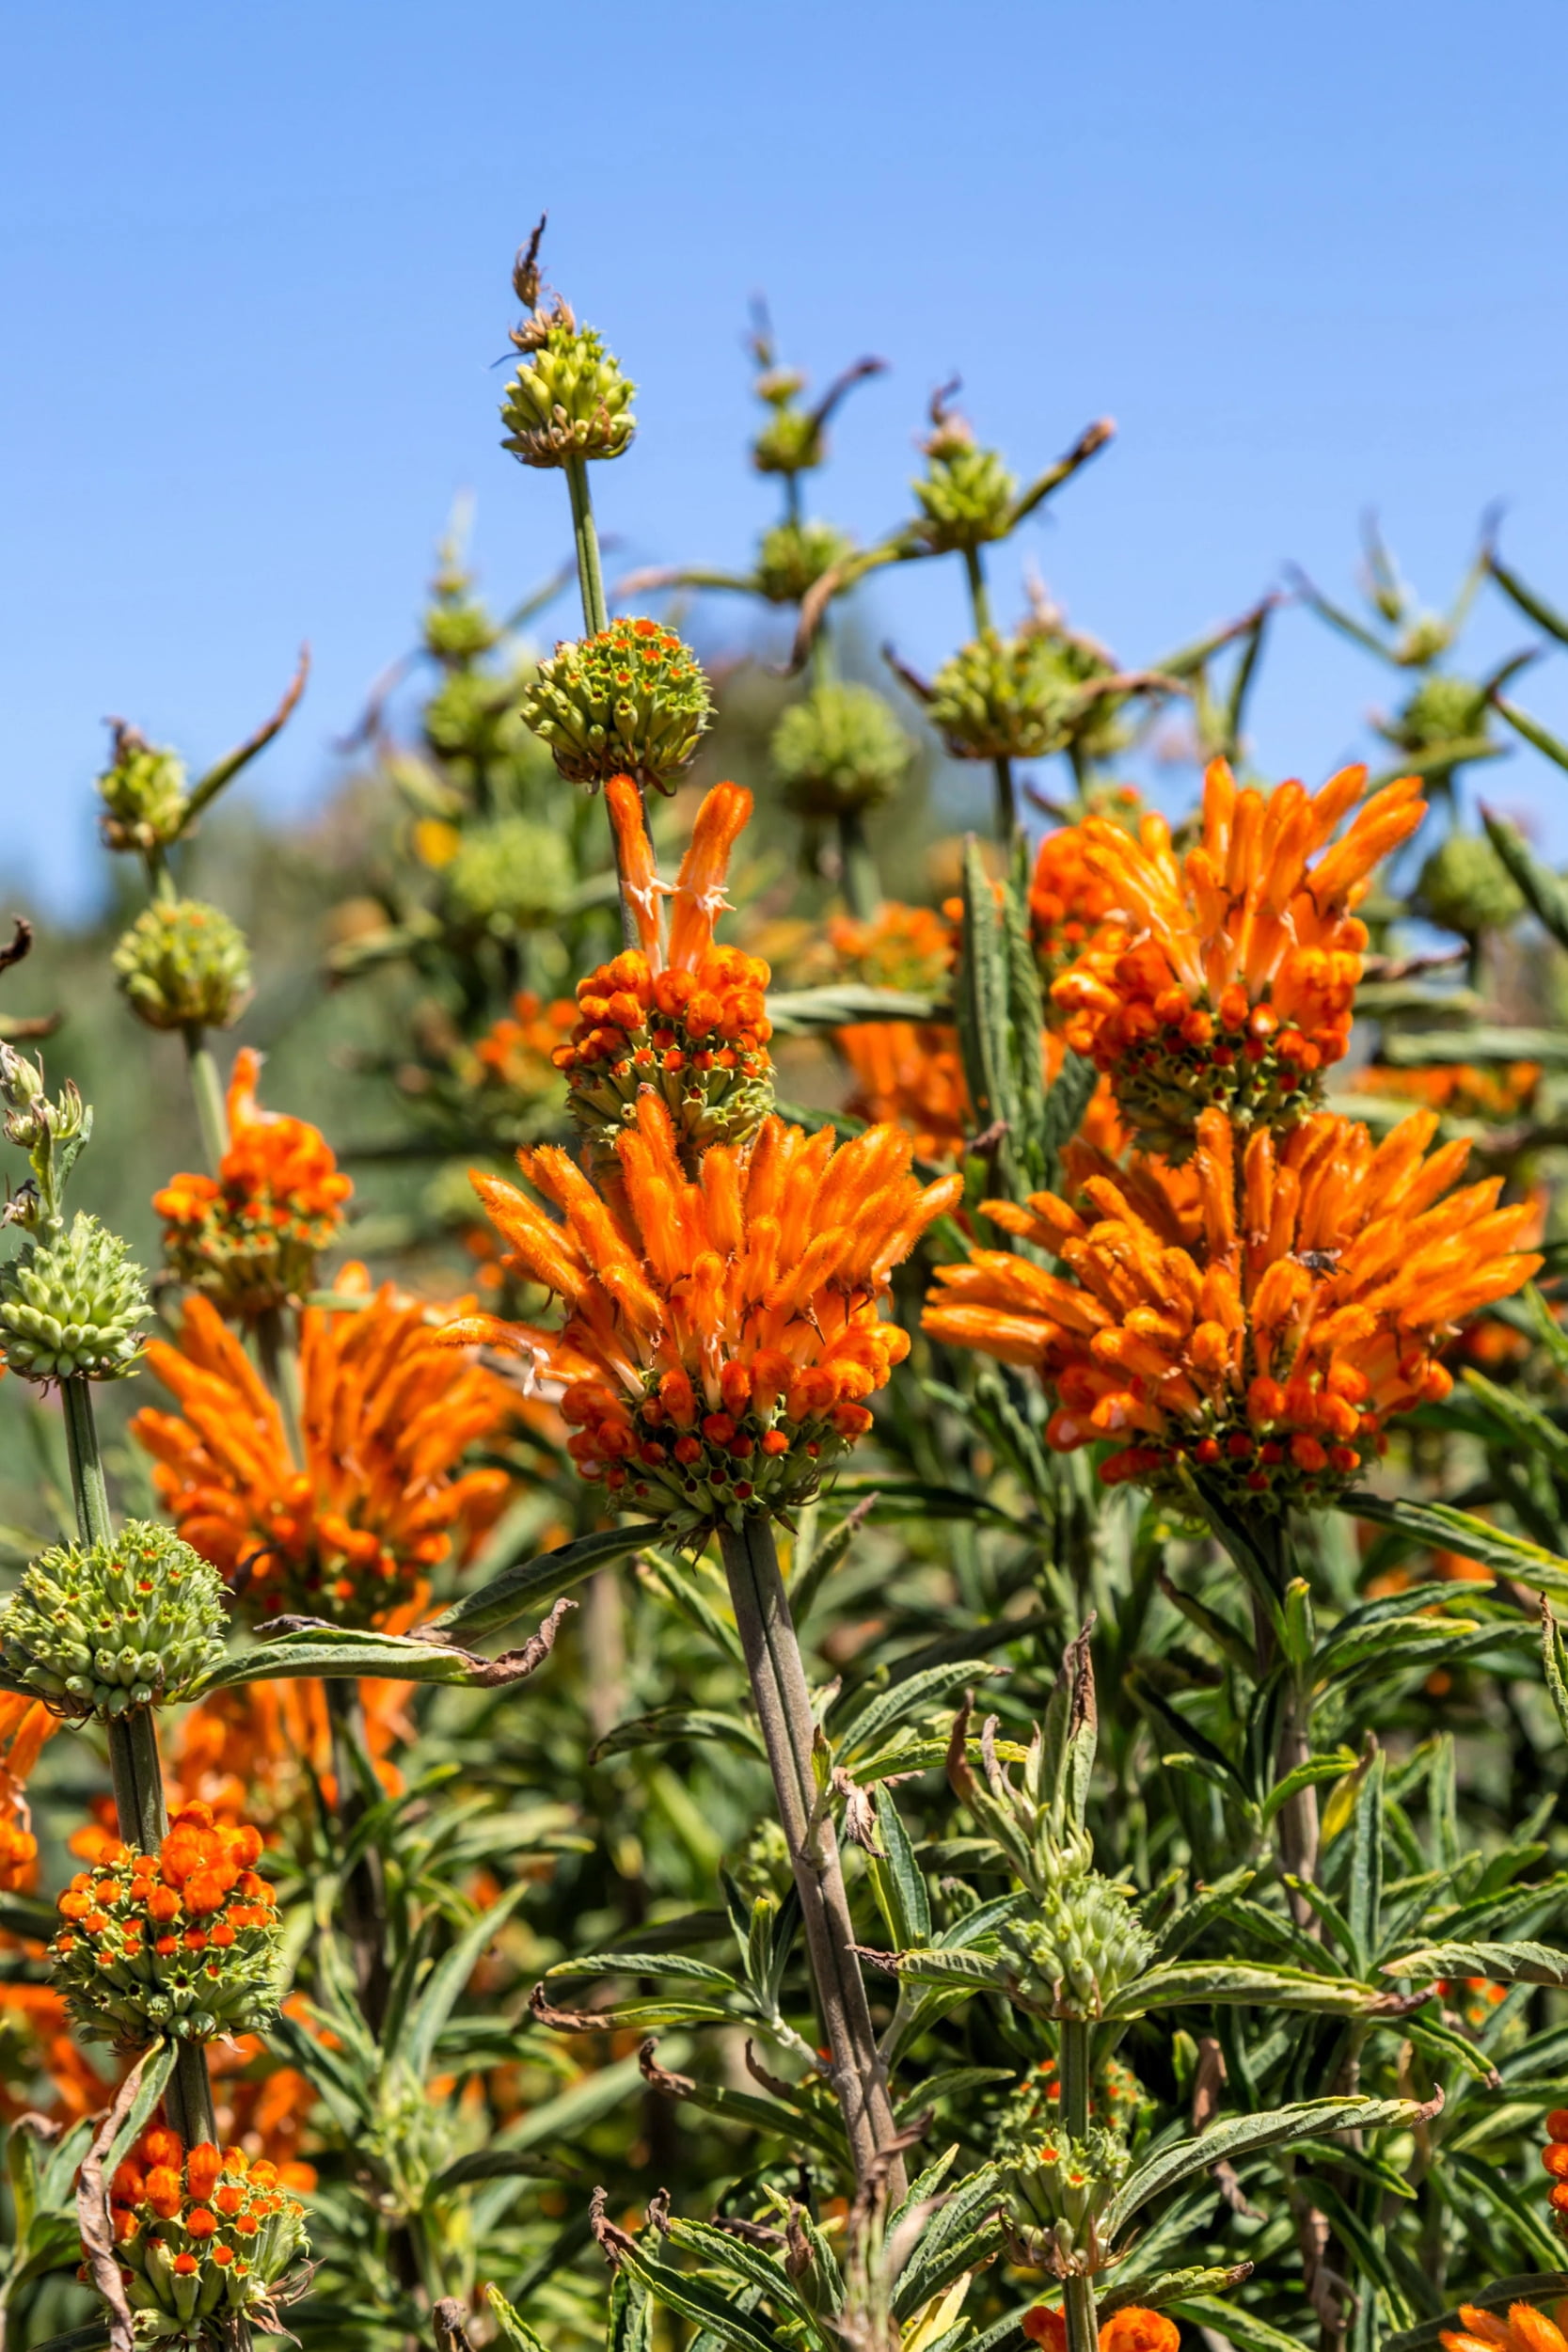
point(183, 965)
point(1442, 710)
point(839, 752)
point(687, 1021)
point(966, 494)
point(512, 1068)
point(205, 2236)
point(249, 1239)
point(1228, 978)
point(509, 876)
point(1253, 1320)
point(631, 701)
point(1076, 1946)
point(794, 556)
point(569, 398)
point(182, 1944)
point(1466, 887)
point(97, 1629)
point(72, 1302)
point(143, 792)
point(1018, 697)
point(793, 439)
point(457, 629)
point(721, 1332)
point(899, 947)
point(383, 1496)
point(1067, 902)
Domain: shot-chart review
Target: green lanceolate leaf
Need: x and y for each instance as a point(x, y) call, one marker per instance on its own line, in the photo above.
point(1235, 1980)
point(898, 1880)
point(667, 1723)
point(532, 1584)
point(1499, 1963)
point(1544, 892)
point(1439, 1525)
point(809, 1012)
point(512, 2330)
point(1246, 2135)
point(643, 1964)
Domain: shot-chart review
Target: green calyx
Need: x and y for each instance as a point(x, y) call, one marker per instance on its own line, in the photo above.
point(1021, 697)
point(71, 1301)
point(184, 964)
point(569, 398)
point(144, 794)
point(99, 1628)
point(793, 557)
point(509, 876)
point(838, 751)
point(631, 701)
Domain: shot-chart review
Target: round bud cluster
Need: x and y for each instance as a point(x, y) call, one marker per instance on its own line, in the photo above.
point(697, 1038)
point(1441, 710)
point(1077, 1946)
point(794, 556)
point(98, 1628)
point(184, 965)
point(457, 629)
point(839, 751)
point(1466, 887)
point(202, 2234)
point(631, 701)
point(966, 494)
point(72, 1302)
point(182, 1944)
point(509, 876)
point(793, 439)
point(143, 791)
point(568, 398)
point(1021, 698)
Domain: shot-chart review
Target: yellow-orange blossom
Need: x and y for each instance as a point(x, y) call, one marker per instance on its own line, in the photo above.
point(721, 1332)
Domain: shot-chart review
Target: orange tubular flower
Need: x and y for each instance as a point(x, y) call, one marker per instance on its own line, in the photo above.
point(899, 947)
point(514, 1062)
point(1256, 1317)
point(1228, 978)
point(381, 1500)
point(1131, 2329)
point(1525, 2329)
point(1460, 1090)
point(722, 1334)
point(689, 1021)
point(249, 1239)
point(1068, 900)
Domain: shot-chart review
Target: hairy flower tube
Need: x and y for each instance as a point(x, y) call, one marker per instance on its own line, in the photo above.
point(184, 1943)
point(1256, 1317)
point(1228, 976)
point(249, 1238)
point(1068, 901)
point(100, 1627)
point(1525, 2329)
point(382, 1498)
point(203, 2234)
point(683, 1019)
point(721, 1333)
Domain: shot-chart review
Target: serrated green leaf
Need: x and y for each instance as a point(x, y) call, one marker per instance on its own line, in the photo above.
point(1439, 1526)
point(1499, 1963)
point(1246, 2135)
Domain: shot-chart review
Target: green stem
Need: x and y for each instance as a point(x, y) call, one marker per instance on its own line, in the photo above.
point(782, 1700)
point(364, 1894)
point(1078, 2308)
point(188, 2100)
point(87, 1486)
point(595, 612)
point(858, 876)
point(979, 598)
point(1007, 796)
point(211, 1109)
point(1074, 2060)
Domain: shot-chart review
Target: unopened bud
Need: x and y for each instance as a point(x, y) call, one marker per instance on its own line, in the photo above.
point(183, 965)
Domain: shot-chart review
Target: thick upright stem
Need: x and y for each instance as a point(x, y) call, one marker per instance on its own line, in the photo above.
point(783, 1699)
point(1298, 1815)
point(90, 1493)
point(862, 883)
point(595, 612)
point(211, 1109)
point(1076, 2058)
point(365, 1888)
point(1006, 797)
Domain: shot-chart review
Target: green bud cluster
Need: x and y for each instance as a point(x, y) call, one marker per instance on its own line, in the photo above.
point(183, 965)
point(1021, 697)
point(474, 728)
point(569, 398)
point(966, 494)
point(792, 439)
point(631, 701)
point(458, 630)
point(839, 750)
point(98, 1628)
point(144, 795)
point(1058, 2186)
point(1076, 1946)
point(794, 556)
point(1441, 710)
point(1466, 887)
point(509, 876)
point(72, 1302)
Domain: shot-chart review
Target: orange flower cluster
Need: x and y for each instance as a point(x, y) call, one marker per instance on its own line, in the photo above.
point(1228, 978)
point(38, 2039)
point(1525, 2329)
point(246, 1751)
point(1554, 2158)
point(514, 1059)
point(906, 1073)
point(900, 947)
point(1256, 1316)
point(249, 1239)
point(180, 1942)
point(686, 1020)
point(204, 2229)
point(1461, 1090)
point(1068, 901)
point(25, 1723)
point(1131, 2329)
point(721, 1333)
point(386, 1421)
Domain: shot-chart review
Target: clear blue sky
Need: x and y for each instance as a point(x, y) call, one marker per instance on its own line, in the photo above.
point(254, 276)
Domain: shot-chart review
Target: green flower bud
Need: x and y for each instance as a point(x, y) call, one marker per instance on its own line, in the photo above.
point(793, 440)
point(1079, 1945)
point(794, 556)
point(458, 630)
point(839, 750)
point(510, 875)
point(966, 494)
point(568, 398)
point(101, 1628)
point(1021, 697)
point(72, 1302)
point(1466, 887)
point(1441, 710)
point(143, 791)
point(184, 965)
point(632, 701)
